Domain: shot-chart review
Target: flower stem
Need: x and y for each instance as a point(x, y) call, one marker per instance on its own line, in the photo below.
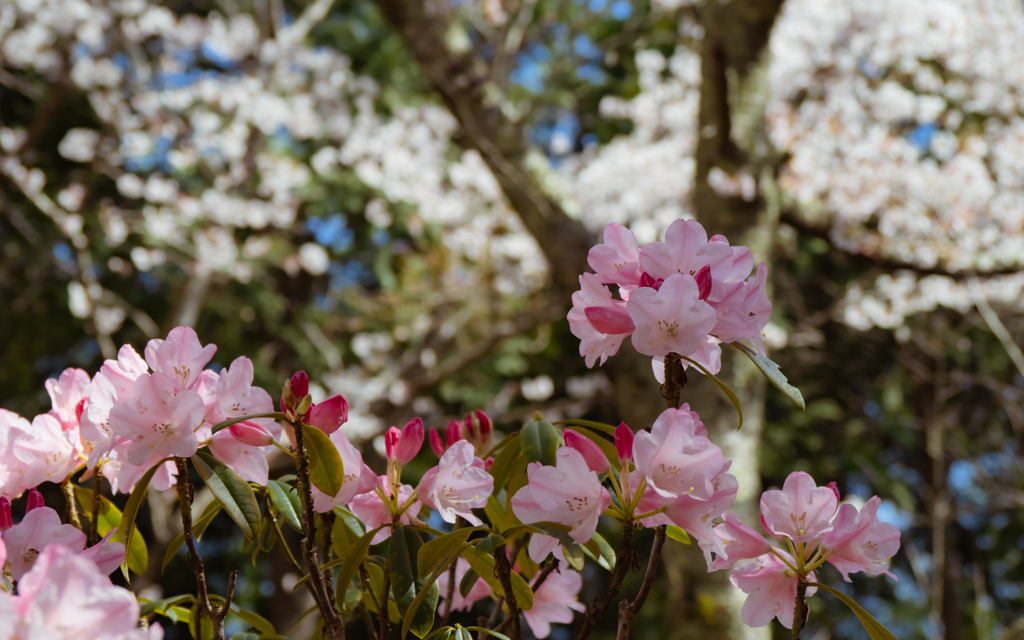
point(800, 608)
point(70, 508)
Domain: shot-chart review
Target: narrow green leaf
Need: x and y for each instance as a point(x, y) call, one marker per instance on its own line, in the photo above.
point(233, 493)
point(483, 564)
point(491, 542)
point(499, 636)
point(468, 582)
point(677, 534)
point(539, 442)
point(406, 582)
point(110, 517)
point(254, 620)
point(598, 550)
point(266, 539)
point(495, 513)
point(126, 527)
point(773, 373)
point(277, 415)
point(353, 559)
point(198, 528)
point(588, 424)
point(517, 479)
point(287, 502)
point(444, 633)
point(160, 606)
point(429, 590)
point(199, 626)
point(503, 461)
point(873, 627)
point(376, 575)
point(245, 635)
point(438, 549)
point(729, 393)
point(326, 471)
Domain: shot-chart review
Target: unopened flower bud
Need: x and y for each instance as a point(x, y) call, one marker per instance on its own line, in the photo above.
point(304, 405)
point(410, 442)
point(35, 500)
point(299, 384)
point(703, 279)
point(435, 443)
point(391, 439)
point(330, 414)
point(488, 463)
point(6, 520)
point(592, 453)
point(287, 397)
point(453, 432)
point(251, 433)
point(624, 443)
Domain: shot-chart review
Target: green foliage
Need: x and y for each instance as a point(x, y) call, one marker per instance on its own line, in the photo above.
point(326, 471)
point(234, 494)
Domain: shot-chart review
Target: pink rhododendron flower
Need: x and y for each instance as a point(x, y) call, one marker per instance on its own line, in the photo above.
point(744, 310)
point(740, 542)
point(687, 250)
point(6, 519)
point(676, 456)
point(66, 392)
point(695, 516)
point(618, 259)
point(555, 601)
point(248, 461)
point(593, 343)
point(568, 493)
point(66, 597)
point(592, 453)
point(478, 591)
point(123, 372)
point(801, 511)
point(373, 513)
point(39, 528)
point(180, 357)
point(707, 355)
point(46, 452)
point(771, 590)
point(359, 478)
point(107, 555)
point(457, 485)
point(236, 397)
point(329, 415)
point(160, 418)
point(672, 319)
point(860, 542)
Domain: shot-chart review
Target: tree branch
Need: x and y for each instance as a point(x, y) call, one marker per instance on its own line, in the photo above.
point(625, 557)
point(799, 608)
point(628, 610)
point(503, 572)
point(70, 508)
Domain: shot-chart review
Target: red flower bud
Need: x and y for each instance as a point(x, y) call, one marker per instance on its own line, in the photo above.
point(592, 453)
point(6, 520)
point(251, 433)
point(391, 439)
point(624, 442)
point(488, 463)
point(453, 433)
point(703, 279)
point(300, 385)
point(435, 443)
point(35, 500)
point(330, 414)
point(410, 442)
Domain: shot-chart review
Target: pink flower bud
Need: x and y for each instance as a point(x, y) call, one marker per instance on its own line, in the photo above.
point(250, 433)
point(477, 429)
point(391, 439)
point(488, 463)
point(624, 442)
point(299, 384)
point(609, 320)
point(6, 520)
point(435, 443)
point(330, 414)
point(703, 279)
point(647, 280)
point(410, 442)
point(592, 453)
point(35, 500)
point(453, 432)
point(486, 430)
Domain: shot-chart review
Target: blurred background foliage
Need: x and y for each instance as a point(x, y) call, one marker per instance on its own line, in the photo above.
point(403, 270)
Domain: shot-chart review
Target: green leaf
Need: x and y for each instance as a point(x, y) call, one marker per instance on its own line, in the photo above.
point(677, 534)
point(462, 634)
point(353, 560)
point(598, 550)
point(588, 424)
point(495, 513)
point(483, 564)
point(499, 636)
point(873, 627)
point(438, 549)
point(539, 442)
point(345, 532)
point(773, 373)
point(199, 626)
point(444, 633)
point(162, 606)
point(245, 635)
point(573, 553)
point(198, 528)
point(503, 462)
point(468, 582)
point(429, 590)
point(376, 586)
point(517, 479)
point(287, 502)
point(490, 543)
point(407, 583)
point(266, 539)
point(254, 620)
point(326, 471)
point(110, 517)
point(277, 415)
point(233, 493)
point(729, 393)
point(126, 527)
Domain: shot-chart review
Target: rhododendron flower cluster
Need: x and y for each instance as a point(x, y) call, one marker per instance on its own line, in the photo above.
point(682, 296)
